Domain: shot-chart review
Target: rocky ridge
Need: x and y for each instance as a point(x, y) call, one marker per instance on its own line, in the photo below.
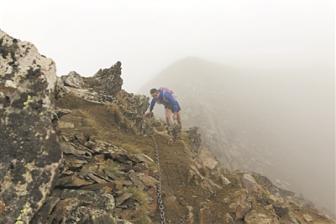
point(77, 150)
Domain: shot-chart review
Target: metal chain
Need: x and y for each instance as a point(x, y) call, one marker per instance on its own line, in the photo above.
point(158, 185)
point(181, 220)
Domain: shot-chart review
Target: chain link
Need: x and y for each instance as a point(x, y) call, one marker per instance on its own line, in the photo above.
point(181, 220)
point(159, 189)
point(158, 185)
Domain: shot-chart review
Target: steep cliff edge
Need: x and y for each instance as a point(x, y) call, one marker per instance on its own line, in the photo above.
point(94, 135)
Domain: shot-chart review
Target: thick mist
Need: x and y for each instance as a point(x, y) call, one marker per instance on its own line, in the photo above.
point(275, 121)
point(148, 35)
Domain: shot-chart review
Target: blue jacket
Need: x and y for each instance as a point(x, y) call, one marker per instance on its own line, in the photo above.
point(167, 99)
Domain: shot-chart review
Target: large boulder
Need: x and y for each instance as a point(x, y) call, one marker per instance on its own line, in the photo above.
point(29, 150)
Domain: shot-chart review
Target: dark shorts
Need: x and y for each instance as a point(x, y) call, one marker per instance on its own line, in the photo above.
point(171, 108)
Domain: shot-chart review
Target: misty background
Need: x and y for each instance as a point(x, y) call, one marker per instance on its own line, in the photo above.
point(262, 71)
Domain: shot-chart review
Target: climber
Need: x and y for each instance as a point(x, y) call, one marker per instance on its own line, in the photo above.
point(172, 107)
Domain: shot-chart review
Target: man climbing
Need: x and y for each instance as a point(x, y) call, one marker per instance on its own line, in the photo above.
point(172, 107)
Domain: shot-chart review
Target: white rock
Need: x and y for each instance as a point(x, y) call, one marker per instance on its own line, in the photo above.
point(224, 180)
point(307, 217)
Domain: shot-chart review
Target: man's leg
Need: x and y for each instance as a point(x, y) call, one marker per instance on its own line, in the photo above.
point(178, 117)
point(168, 114)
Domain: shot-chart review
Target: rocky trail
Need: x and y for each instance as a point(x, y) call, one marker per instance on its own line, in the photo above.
point(77, 149)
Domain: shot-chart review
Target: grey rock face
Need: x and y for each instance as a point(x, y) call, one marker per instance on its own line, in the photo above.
point(29, 150)
point(78, 206)
point(96, 179)
point(73, 79)
point(195, 138)
point(108, 81)
point(250, 183)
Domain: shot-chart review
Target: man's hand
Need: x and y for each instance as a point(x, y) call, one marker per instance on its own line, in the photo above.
point(148, 114)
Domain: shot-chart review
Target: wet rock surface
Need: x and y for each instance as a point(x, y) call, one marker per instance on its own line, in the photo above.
point(79, 150)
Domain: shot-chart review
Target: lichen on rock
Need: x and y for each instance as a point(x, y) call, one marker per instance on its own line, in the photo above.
point(30, 153)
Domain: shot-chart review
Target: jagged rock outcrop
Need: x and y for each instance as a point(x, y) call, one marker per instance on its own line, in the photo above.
point(102, 87)
point(97, 181)
point(29, 151)
point(105, 88)
point(109, 171)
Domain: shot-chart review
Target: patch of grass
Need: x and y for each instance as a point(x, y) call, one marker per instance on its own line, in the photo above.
point(112, 168)
point(142, 211)
point(130, 148)
point(139, 195)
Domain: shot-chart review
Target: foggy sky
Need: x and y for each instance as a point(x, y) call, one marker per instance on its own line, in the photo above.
point(148, 35)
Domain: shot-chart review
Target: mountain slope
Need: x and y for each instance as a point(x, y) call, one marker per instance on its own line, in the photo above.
point(274, 121)
point(109, 173)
